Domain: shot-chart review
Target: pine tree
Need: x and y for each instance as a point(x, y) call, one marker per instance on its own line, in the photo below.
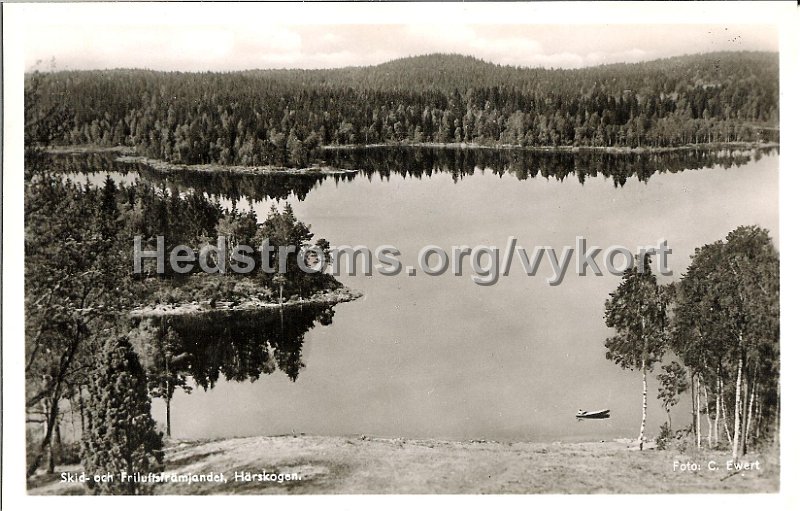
point(121, 437)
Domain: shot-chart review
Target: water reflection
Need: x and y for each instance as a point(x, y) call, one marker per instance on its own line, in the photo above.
point(234, 345)
point(524, 164)
point(91, 163)
point(417, 162)
point(441, 357)
point(227, 185)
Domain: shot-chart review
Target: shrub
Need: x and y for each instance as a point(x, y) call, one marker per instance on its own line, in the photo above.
point(664, 437)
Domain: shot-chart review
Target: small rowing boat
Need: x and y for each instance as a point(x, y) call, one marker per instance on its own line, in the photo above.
point(597, 414)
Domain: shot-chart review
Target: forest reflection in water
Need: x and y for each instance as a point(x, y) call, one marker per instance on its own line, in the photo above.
point(414, 162)
point(235, 345)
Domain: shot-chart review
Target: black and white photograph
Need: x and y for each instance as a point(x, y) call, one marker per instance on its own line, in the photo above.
point(451, 249)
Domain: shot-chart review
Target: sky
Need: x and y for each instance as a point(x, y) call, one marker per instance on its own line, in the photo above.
point(101, 39)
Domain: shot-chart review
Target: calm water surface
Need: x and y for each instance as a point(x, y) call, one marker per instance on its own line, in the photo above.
point(440, 356)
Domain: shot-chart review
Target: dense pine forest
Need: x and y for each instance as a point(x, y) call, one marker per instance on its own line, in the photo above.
point(283, 117)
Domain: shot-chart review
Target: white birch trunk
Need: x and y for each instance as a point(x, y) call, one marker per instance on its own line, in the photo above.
point(708, 414)
point(716, 412)
point(725, 421)
point(749, 419)
point(737, 412)
point(698, 434)
point(758, 419)
point(694, 407)
point(644, 404)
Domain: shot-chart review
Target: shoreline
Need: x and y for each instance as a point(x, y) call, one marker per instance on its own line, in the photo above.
point(341, 295)
point(165, 167)
point(368, 465)
point(561, 149)
point(128, 154)
point(89, 149)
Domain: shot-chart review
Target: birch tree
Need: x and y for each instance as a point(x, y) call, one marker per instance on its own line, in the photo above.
point(748, 286)
point(637, 311)
point(727, 326)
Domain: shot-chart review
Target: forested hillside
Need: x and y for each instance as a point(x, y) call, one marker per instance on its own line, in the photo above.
point(282, 116)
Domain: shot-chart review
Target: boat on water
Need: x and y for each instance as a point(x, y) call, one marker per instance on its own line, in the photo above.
point(597, 414)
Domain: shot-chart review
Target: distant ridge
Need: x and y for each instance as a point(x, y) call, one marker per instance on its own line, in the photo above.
point(435, 59)
point(456, 60)
point(455, 71)
point(448, 72)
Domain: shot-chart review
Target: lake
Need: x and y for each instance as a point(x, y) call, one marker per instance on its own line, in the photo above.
point(440, 356)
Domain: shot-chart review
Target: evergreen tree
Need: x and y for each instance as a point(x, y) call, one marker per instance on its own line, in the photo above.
point(121, 437)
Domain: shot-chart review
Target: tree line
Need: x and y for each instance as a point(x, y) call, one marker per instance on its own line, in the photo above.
point(283, 117)
point(720, 327)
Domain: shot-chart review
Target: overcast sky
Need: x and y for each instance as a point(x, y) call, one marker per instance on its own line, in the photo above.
point(171, 43)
